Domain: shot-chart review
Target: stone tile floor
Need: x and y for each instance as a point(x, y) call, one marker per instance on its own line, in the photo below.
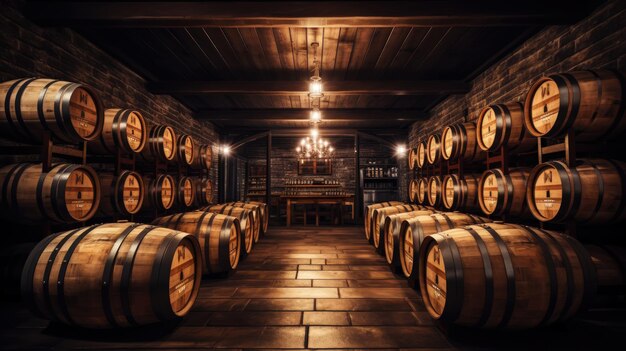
point(307, 288)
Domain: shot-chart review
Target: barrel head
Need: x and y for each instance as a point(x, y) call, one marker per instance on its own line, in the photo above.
point(547, 192)
point(80, 194)
point(83, 113)
point(435, 275)
point(544, 107)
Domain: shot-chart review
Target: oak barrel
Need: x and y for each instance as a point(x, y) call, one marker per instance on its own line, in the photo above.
point(500, 193)
point(219, 237)
point(256, 215)
point(421, 154)
point(246, 222)
point(422, 191)
point(591, 103)
point(123, 130)
point(186, 192)
point(67, 193)
point(378, 221)
point(592, 192)
point(71, 112)
point(460, 193)
point(369, 212)
point(433, 149)
point(113, 275)
point(121, 194)
point(160, 192)
point(458, 143)
point(265, 215)
point(391, 231)
point(203, 157)
point(414, 230)
point(161, 144)
point(504, 276)
point(413, 190)
point(434, 191)
point(185, 149)
point(204, 193)
point(412, 158)
point(503, 125)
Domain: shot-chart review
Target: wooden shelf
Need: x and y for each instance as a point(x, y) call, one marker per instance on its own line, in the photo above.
point(380, 178)
point(314, 186)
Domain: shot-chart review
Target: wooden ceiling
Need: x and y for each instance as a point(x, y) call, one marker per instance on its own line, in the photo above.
point(245, 65)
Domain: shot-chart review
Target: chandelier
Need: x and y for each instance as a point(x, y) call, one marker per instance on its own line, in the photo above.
point(313, 146)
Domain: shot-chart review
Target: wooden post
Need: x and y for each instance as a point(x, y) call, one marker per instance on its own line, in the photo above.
point(268, 173)
point(357, 181)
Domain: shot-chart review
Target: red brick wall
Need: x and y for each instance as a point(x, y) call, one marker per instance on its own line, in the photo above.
point(597, 41)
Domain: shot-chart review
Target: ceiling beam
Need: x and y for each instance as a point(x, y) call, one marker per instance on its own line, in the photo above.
point(303, 115)
point(421, 87)
point(427, 13)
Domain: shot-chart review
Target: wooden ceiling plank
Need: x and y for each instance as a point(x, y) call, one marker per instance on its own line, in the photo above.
point(329, 54)
point(282, 36)
point(361, 44)
point(200, 52)
point(306, 13)
point(270, 51)
point(392, 47)
point(255, 50)
point(347, 37)
point(314, 35)
point(364, 87)
point(300, 52)
point(241, 51)
point(170, 47)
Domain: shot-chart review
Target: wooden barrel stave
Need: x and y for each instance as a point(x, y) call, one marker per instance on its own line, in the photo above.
point(219, 237)
point(378, 219)
point(502, 125)
point(71, 112)
point(369, 211)
point(489, 291)
point(500, 194)
point(592, 192)
point(591, 103)
point(433, 149)
point(123, 130)
point(420, 157)
point(160, 194)
point(434, 191)
point(246, 222)
point(265, 215)
point(67, 193)
point(203, 158)
point(256, 214)
point(460, 194)
point(122, 194)
point(458, 143)
point(414, 230)
point(185, 150)
point(161, 144)
point(87, 279)
point(391, 230)
point(185, 192)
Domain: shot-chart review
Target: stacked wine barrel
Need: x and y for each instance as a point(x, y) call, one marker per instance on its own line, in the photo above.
point(477, 273)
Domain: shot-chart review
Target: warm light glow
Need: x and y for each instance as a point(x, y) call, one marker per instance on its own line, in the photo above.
point(298, 149)
point(331, 149)
point(315, 87)
point(316, 116)
point(325, 142)
point(314, 133)
point(400, 150)
point(225, 149)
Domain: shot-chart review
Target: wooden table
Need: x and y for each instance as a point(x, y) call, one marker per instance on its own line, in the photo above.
point(313, 200)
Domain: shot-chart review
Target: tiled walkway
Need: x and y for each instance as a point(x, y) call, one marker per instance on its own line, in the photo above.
point(300, 288)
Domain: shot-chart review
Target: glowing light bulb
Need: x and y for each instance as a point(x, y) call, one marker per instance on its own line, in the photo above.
point(316, 116)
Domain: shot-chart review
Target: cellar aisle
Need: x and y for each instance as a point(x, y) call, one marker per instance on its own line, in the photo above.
point(300, 288)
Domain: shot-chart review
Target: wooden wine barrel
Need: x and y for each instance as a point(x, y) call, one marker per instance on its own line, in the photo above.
point(378, 218)
point(202, 158)
point(412, 158)
point(433, 149)
point(246, 221)
point(500, 194)
point(71, 112)
point(460, 194)
point(113, 275)
point(123, 130)
point(610, 264)
point(434, 191)
point(591, 103)
point(121, 195)
point(592, 192)
point(503, 125)
point(161, 144)
point(517, 277)
point(413, 190)
point(414, 230)
point(12, 261)
point(185, 192)
point(458, 143)
point(421, 155)
point(205, 191)
point(256, 215)
point(391, 231)
point(369, 212)
point(422, 191)
point(265, 215)
point(160, 192)
point(219, 237)
point(185, 149)
point(67, 193)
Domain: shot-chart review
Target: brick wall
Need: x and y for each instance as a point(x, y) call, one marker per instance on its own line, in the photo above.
point(27, 50)
point(597, 41)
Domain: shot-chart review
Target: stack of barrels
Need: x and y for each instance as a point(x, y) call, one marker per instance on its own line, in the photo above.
point(137, 274)
point(478, 273)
